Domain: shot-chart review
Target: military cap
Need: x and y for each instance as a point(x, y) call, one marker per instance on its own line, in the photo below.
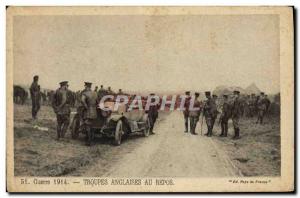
point(89, 84)
point(207, 93)
point(236, 92)
point(214, 95)
point(152, 94)
point(63, 83)
point(187, 92)
point(225, 96)
point(197, 93)
point(262, 93)
point(35, 77)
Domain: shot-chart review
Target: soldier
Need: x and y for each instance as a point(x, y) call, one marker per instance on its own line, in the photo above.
point(194, 114)
point(225, 115)
point(121, 92)
point(268, 103)
point(35, 96)
point(214, 110)
point(247, 105)
point(110, 91)
point(152, 114)
point(101, 92)
point(261, 107)
point(208, 110)
point(236, 113)
point(186, 111)
point(96, 89)
point(89, 102)
point(62, 108)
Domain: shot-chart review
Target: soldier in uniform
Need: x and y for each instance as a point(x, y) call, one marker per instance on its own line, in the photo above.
point(186, 111)
point(208, 113)
point(246, 106)
point(225, 115)
point(252, 105)
point(152, 114)
point(110, 91)
point(120, 92)
point(35, 96)
point(89, 103)
point(214, 110)
point(101, 92)
point(236, 113)
point(96, 89)
point(194, 114)
point(268, 103)
point(261, 107)
point(61, 105)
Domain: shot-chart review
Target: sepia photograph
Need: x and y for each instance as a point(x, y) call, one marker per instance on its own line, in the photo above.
point(150, 99)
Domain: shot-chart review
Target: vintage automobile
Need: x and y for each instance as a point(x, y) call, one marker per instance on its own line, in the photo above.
point(112, 124)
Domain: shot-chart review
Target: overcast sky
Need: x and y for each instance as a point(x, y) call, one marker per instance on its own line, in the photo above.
point(148, 53)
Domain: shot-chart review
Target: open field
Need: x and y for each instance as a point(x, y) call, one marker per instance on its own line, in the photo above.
point(257, 153)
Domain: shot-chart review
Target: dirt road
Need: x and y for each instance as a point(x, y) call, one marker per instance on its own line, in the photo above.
point(171, 153)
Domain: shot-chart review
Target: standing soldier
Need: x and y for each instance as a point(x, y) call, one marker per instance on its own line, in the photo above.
point(96, 89)
point(89, 102)
point(247, 106)
point(101, 92)
point(61, 106)
point(186, 111)
point(194, 114)
point(225, 115)
point(268, 103)
point(152, 113)
point(121, 92)
point(261, 107)
point(252, 105)
point(236, 113)
point(208, 113)
point(214, 110)
point(110, 91)
point(35, 96)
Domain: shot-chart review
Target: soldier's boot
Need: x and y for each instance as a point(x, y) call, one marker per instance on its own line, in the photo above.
point(186, 127)
point(58, 133)
point(195, 125)
point(151, 130)
point(261, 120)
point(193, 130)
point(236, 133)
point(222, 130)
point(88, 136)
point(209, 134)
point(225, 130)
point(64, 130)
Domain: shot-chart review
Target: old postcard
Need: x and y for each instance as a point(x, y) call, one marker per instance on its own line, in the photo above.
point(150, 99)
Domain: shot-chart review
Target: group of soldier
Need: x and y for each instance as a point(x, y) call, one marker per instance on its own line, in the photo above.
point(229, 108)
point(87, 108)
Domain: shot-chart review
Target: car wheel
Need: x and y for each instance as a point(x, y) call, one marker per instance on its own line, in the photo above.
point(118, 133)
point(75, 127)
